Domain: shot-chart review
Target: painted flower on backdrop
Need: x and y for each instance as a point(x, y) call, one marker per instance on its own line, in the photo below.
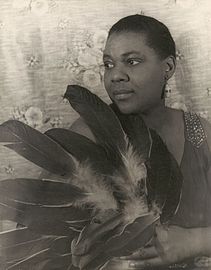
point(31, 116)
point(99, 39)
point(72, 66)
point(8, 169)
point(39, 7)
point(179, 55)
point(20, 6)
point(208, 90)
point(19, 114)
point(34, 117)
point(63, 24)
point(91, 78)
point(88, 57)
point(56, 121)
point(87, 66)
point(187, 4)
point(32, 61)
point(80, 45)
point(1, 24)
point(53, 5)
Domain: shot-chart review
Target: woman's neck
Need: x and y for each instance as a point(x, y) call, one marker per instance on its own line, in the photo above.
point(157, 117)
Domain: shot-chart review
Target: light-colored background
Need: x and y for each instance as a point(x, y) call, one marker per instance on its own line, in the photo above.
point(47, 44)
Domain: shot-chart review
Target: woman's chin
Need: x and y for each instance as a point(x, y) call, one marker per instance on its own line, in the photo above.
point(126, 109)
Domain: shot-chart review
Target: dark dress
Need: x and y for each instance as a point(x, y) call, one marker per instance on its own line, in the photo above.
point(195, 206)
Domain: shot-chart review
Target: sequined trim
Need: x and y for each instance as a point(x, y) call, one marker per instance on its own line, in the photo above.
point(194, 129)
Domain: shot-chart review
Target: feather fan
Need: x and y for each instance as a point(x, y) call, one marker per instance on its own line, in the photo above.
point(114, 190)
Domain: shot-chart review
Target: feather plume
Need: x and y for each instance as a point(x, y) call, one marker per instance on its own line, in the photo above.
point(30, 261)
point(131, 181)
point(137, 132)
point(123, 244)
point(54, 220)
point(98, 116)
point(165, 180)
point(40, 192)
point(83, 149)
point(109, 133)
point(36, 147)
point(111, 191)
point(16, 236)
point(101, 120)
point(121, 240)
point(27, 248)
point(98, 194)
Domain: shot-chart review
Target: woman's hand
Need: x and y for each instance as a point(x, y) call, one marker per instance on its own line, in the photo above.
point(171, 245)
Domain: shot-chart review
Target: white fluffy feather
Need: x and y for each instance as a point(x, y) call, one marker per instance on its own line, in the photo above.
point(134, 171)
point(129, 180)
point(134, 164)
point(98, 194)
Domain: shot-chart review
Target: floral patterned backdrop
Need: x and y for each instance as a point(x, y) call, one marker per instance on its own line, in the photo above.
point(47, 44)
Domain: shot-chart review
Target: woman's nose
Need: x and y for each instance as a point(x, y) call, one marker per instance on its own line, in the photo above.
point(119, 75)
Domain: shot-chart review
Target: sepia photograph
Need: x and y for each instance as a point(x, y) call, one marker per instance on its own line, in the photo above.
point(105, 134)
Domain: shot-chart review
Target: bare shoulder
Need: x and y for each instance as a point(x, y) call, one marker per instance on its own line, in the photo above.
point(207, 128)
point(79, 126)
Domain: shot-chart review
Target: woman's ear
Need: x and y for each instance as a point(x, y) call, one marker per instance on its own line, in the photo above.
point(169, 66)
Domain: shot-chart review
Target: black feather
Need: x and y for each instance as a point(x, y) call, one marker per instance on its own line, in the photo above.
point(17, 236)
point(137, 132)
point(40, 192)
point(101, 120)
point(15, 253)
point(174, 192)
point(164, 178)
point(36, 147)
point(82, 148)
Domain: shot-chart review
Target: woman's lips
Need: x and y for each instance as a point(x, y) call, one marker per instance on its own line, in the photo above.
point(122, 95)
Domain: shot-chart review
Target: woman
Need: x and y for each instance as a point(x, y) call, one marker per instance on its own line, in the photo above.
point(139, 59)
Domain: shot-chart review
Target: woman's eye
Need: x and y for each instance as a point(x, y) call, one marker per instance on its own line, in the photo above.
point(108, 65)
point(133, 62)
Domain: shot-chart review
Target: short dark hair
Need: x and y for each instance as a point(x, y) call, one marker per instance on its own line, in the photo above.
point(157, 34)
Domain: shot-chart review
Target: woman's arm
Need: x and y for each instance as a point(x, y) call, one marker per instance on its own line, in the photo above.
point(171, 245)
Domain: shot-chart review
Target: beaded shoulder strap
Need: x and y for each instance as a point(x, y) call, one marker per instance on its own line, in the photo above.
point(194, 129)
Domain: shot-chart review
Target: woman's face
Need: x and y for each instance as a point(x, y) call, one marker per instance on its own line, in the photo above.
point(134, 73)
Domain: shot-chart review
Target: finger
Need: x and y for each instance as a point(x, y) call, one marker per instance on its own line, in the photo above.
point(161, 233)
point(153, 262)
point(75, 259)
point(143, 253)
point(73, 244)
